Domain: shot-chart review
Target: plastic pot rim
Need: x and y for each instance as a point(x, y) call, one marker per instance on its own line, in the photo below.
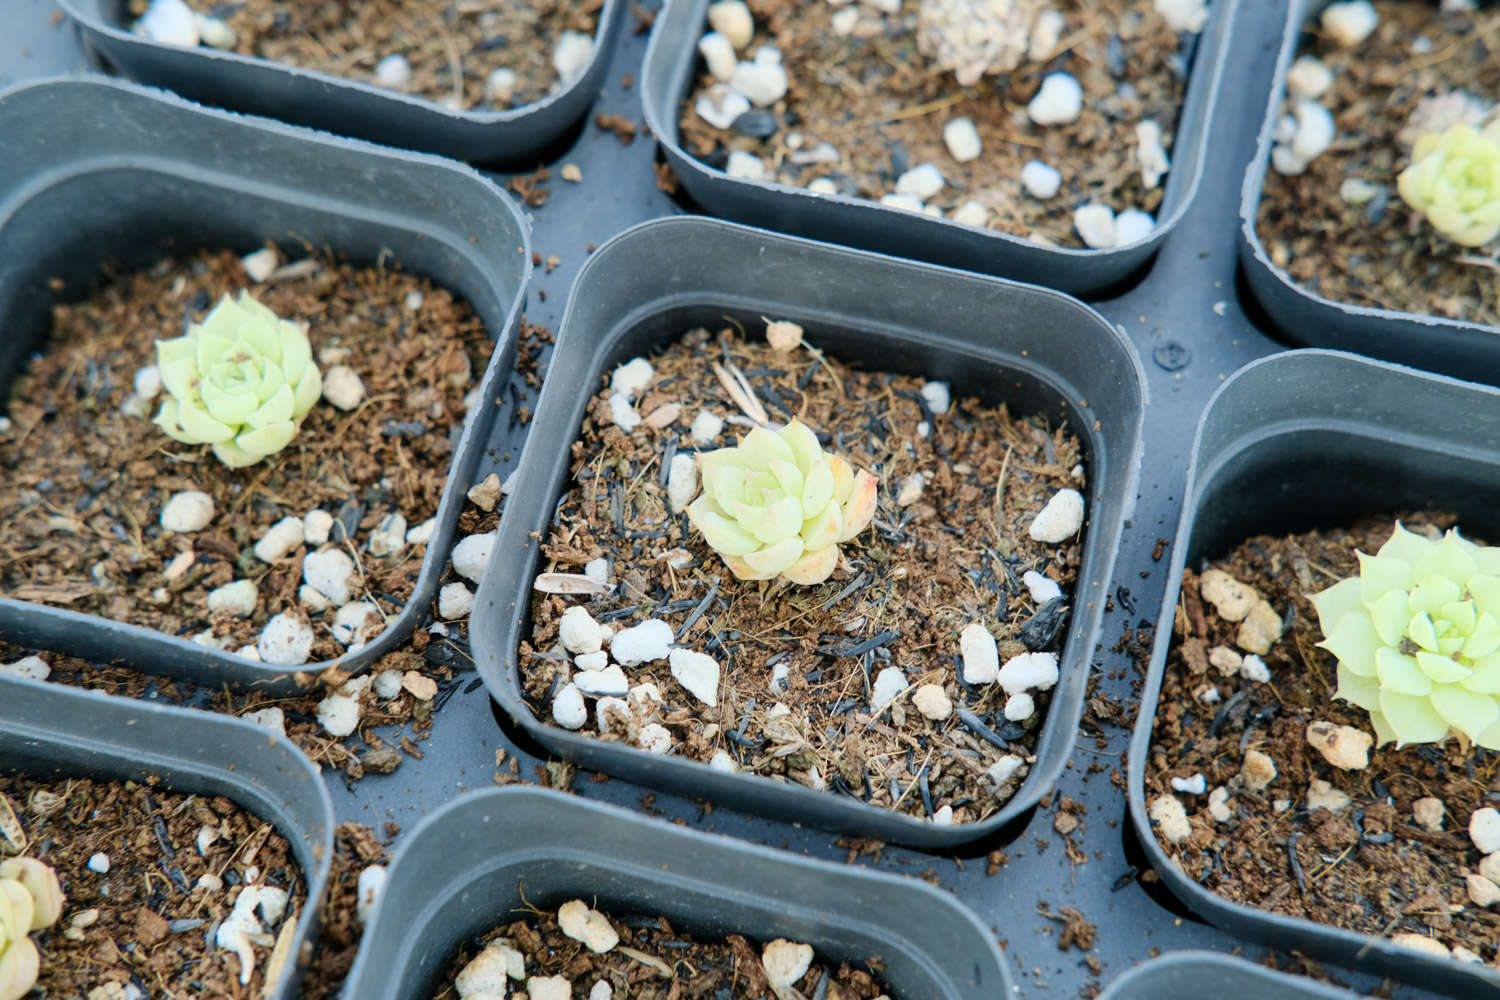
point(1060, 264)
point(1378, 325)
point(207, 664)
point(860, 817)
point(609, 13)
point(313, 853)
point(1216, 909)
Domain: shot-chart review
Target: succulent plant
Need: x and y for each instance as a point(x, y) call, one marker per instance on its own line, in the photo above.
point(242, 381)
point(1454, 180)
point(1417, 637)
point(777, 505)
point(30, 899)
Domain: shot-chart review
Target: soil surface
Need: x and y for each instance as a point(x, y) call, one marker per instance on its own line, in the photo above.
point(929, 565)
point(85, 481)
point(339, 927)
point(1367, 867)
point(147, 921)
point(668, 966)
point(882, 105)
point(441, 39)
point(1380, 253)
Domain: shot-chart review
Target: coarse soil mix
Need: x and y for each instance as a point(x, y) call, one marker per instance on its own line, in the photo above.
point(339, 927)
point(124, 918)
point(882, 105)
point(1381, 253)
point(1368, 868)
point(84, 483)
point(905, 588)
point(442, 40)
point(721, 970)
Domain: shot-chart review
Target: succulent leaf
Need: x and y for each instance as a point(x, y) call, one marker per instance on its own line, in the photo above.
point(777, 505)
point(1417, 638)
point(1454, 180)
point(242, 381)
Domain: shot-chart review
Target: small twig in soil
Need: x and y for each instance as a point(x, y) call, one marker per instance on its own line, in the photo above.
point(1467, 258)
point(697, 612)
point(455, 62)
point(1291, 853)
point(976, 724)
point(1000, 492)
point(740, 390)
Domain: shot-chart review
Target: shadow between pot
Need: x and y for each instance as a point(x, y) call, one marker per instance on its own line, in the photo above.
point(100, 172)
point(1313, 439)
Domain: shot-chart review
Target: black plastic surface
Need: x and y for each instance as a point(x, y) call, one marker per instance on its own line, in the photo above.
point(348, 107)
point(97, 171)
point(1434, 343)
point(476, 862)
point(1192, 326)
point(672, 64)
point(47, 731)
point(1033, 349)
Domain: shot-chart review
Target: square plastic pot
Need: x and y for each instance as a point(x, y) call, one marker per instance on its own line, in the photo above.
point(1305, 318)
point(342, 106)
point(100, 171)
point(1314, 439)
point(1192, 975)
point(476, 861)
point(672, 64)
point(49, 731)
point(1035, 349)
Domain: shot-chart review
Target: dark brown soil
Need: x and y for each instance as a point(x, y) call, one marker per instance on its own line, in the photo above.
point(123, 920)
point(1369, 867)
point(699, 970)
point(349, 38)
point(905, 588)
point(883, 106)
point(1381, 254)
point(339, 928)
point(84, 483)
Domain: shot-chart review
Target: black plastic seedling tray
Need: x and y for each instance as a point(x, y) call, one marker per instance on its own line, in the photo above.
point(347, 107)
point(97, 172)
point(476, 862)
point(1316, 439)
point(1453, 347)
point(1035, 350)
point(672, 64)
point(1192, 324)
point(47, 731)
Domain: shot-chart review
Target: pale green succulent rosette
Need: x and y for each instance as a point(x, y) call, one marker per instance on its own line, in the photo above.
point(1454, 180)
point(242, 381)
point(1417, 637)
point(777, 505)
